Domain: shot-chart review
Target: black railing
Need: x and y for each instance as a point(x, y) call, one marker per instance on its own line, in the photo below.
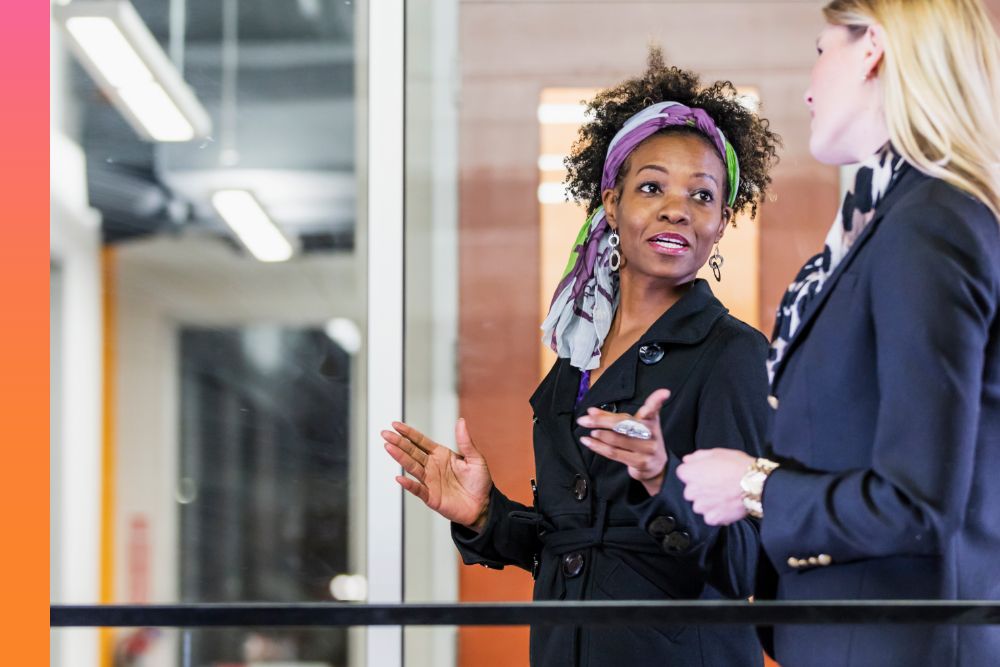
point(931, 612)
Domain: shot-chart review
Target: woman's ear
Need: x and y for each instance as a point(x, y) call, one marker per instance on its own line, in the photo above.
point(727, 218)
point(610, 200)
point(874, 50)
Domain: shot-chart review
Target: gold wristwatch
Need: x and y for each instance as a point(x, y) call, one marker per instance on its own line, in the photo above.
point(752, 484)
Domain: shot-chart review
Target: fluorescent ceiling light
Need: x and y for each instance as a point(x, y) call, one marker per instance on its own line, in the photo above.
point(749, 97)
point(345, 333)
point(154, 109)
point(552, 193)
point(562, 114)
point(551, 162)
point(116, 48)
point(247, 218)
point(109, 50)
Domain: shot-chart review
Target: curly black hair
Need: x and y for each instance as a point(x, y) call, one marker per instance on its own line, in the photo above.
point(755, 144)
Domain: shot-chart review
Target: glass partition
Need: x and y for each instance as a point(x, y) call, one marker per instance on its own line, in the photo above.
point(209, 320)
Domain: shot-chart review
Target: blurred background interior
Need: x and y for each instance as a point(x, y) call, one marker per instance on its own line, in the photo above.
point(212, 287)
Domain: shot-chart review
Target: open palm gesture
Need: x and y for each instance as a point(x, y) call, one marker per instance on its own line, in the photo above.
point(456, 486)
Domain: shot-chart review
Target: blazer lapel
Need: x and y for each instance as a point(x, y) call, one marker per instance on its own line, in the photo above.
point(816, 306)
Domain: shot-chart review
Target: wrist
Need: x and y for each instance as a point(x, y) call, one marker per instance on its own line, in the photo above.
point(654, 484)
point(752, 483)
point(480, 522)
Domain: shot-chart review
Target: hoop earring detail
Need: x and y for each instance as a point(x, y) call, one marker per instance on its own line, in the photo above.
point(716, 261)
point(615, 261)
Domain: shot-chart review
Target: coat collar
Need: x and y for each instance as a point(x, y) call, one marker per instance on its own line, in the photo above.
point(687, 322)
point(907, 181)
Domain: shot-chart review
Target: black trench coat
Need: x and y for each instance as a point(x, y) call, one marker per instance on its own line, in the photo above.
point(595, 534)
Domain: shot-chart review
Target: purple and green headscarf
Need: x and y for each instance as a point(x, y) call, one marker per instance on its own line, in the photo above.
point(584, 303)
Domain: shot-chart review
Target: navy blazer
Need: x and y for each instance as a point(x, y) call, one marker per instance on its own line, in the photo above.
point(595, 534)
point(886, 418)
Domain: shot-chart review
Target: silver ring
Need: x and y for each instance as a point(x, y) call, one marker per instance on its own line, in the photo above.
point(633, 429)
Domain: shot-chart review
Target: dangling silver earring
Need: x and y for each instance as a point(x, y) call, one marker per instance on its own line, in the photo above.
point(615, 261)
point(716, 261)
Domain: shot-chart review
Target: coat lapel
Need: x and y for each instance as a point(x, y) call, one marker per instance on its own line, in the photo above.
point(553, 405)
point(687, 322)
point(816, 306)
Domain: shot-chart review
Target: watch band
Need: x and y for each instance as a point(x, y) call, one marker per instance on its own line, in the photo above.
point(752, 484)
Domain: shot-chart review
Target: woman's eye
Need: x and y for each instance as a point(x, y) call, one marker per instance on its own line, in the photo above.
point(704, 196)
point(649, 188)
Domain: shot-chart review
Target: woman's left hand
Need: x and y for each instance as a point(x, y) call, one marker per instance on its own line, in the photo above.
point(712, 483)
point(646, 459)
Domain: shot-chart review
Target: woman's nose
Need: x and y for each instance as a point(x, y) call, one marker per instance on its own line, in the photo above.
point(675, 211)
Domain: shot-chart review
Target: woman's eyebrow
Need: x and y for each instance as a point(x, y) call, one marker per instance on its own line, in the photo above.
point(699, 174)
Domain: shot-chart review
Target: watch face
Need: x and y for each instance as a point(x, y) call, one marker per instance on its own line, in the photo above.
point(753, 482)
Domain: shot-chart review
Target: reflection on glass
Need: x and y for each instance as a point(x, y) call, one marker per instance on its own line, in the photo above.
point(245, 647)
point(264, 426)
point(208, 347)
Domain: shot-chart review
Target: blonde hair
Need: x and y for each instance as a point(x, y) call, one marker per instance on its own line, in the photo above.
point(941, 86)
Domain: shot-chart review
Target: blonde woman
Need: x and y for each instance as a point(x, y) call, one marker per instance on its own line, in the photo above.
point(882, 479)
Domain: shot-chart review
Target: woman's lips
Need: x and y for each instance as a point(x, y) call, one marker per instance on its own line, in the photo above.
point(669, 244)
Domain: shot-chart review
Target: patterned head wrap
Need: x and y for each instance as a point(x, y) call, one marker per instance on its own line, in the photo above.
point(584, 303)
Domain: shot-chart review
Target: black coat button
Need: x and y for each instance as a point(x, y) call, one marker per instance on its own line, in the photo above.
point(572, 564)
point(650, 353)
point(676, 542)
point(608, 407)
point(579, 487)
point(661, 525)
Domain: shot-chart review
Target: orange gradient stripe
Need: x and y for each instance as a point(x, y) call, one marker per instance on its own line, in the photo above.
point(24, 175)
point(107, 636)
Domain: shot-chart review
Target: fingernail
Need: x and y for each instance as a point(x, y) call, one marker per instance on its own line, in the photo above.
point(583, 421)
point(585, 441)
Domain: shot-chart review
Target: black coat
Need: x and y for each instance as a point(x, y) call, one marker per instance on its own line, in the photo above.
point(888, 421)
point(594, 533)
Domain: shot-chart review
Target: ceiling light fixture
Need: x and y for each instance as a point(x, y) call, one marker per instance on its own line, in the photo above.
point(251, 223)
point(120, 53)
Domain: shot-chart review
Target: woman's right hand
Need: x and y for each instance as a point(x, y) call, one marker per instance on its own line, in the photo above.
point(456, 486)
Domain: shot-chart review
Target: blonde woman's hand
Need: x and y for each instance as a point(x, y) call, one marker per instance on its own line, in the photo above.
point(456, 486)
point(712, 483)
point(646, 459)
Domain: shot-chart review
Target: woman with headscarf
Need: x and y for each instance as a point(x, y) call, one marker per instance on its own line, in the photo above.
point(663, 166)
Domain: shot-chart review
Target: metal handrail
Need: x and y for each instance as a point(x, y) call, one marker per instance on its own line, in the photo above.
point(618, 612)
